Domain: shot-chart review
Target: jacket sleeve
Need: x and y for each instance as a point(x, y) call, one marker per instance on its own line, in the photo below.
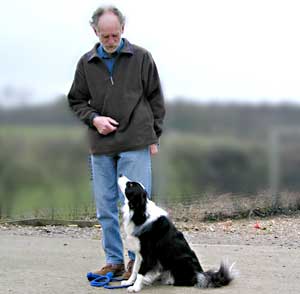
point(79, 97)
point(153, 92)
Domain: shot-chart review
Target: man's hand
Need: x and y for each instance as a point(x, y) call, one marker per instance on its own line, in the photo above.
point(153, 149)
point(105, 124)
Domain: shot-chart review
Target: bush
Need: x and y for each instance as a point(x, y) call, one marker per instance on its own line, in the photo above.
point(195, 165)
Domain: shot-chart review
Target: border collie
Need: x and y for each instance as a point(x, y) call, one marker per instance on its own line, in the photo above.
point(162, 253)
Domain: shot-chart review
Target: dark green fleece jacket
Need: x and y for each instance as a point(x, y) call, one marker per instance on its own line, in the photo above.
point(132, 96)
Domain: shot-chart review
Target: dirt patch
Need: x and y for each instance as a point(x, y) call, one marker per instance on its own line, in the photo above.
point(283, 231)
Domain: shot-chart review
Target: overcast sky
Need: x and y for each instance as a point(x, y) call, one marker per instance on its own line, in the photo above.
point(205, 50)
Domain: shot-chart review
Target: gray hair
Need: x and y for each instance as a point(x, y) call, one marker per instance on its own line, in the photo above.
point(101, 10)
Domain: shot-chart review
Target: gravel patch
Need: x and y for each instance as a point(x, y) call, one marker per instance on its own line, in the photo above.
point(283, 231)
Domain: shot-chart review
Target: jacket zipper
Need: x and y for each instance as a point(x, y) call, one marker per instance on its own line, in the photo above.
point(113, 70)
point(110, 74)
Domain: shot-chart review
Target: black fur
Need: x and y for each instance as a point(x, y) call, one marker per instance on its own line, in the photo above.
point(163, 246)
point(137, 199)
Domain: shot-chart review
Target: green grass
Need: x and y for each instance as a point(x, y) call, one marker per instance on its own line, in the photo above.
point(39, 132)
point(45, 169)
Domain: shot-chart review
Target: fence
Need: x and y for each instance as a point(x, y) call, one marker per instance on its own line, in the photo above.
point(44, 174)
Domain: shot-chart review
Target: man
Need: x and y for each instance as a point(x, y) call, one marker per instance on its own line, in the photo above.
point(116, 92)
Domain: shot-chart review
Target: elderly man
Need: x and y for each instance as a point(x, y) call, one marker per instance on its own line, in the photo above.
point(116, 92)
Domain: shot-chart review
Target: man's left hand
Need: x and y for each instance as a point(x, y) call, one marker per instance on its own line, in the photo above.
point(153, 149)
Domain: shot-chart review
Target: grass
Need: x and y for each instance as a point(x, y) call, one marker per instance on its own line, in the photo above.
point(44, 173)
point(40, 132)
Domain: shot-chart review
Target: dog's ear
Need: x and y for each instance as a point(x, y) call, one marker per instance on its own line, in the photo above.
point(143, 201)
point(139, 200)
point(139, 206)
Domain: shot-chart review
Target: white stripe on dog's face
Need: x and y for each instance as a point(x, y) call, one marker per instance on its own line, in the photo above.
point(122, 181)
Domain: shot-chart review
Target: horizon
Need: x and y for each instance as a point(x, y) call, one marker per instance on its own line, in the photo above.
point(176, 100)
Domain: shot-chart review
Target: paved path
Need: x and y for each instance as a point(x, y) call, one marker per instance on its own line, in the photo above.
point(40, 265)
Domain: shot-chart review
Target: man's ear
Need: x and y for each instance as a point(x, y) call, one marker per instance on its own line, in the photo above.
point(123, 26)
point(95, 31)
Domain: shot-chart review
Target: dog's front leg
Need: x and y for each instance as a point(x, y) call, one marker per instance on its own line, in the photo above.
point(138, 284)
point(135, 270)
point(140, 278)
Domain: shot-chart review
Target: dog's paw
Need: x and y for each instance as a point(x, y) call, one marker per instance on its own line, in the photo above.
point(133, 289)
point(126, 283)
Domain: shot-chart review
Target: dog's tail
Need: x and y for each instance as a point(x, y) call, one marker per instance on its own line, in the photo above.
point(216, 279)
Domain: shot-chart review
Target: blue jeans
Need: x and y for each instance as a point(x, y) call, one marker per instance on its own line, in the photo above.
point(136, 165)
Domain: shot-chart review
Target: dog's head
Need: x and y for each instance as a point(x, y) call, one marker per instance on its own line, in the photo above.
point(135, 197)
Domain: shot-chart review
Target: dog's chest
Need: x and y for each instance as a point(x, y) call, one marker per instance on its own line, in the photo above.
point(132, 242)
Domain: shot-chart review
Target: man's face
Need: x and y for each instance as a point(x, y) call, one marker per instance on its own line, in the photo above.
point(109, 31)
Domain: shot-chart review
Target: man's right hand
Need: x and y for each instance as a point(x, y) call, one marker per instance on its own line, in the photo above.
point(105, 124)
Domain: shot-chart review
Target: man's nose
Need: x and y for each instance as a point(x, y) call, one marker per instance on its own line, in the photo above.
point(111, 39)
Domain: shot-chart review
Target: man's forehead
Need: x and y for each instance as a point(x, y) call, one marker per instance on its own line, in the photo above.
point(109, 19)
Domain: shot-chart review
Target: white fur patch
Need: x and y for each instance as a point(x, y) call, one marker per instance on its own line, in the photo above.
point(138, 285)
point(151, 277)
point(167, 278)
point(122, 184)
point(133, 243)
point(201, 281)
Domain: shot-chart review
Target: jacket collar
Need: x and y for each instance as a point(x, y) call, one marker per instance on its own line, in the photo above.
point(127, 49)
point(103, 54)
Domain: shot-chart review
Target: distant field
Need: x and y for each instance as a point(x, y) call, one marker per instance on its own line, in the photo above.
point(44, 171)
point(41, 132)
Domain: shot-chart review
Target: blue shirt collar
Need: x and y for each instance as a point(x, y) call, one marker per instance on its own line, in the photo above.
point(103, 54)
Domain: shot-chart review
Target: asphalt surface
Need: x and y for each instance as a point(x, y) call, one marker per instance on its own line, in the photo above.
point(41, 265)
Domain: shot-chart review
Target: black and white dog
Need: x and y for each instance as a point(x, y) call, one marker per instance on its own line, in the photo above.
point(162, 253)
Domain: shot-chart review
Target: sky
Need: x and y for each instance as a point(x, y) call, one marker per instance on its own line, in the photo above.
point(205, 50)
